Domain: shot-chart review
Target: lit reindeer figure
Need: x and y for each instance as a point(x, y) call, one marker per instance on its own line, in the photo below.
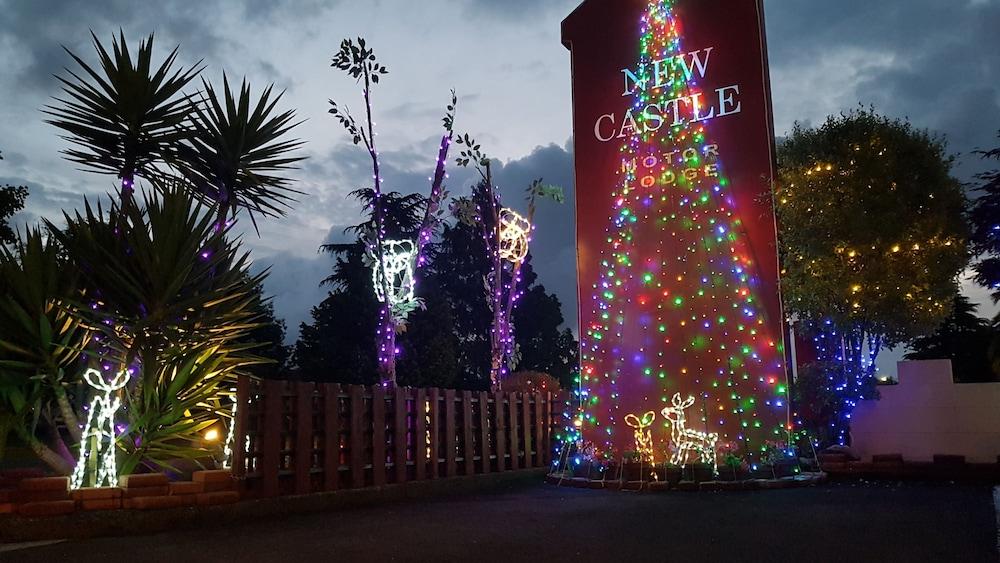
point(97, 445)
point(643, 436)
point(686, 440)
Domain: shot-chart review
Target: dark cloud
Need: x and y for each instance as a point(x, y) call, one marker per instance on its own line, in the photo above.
point(936, 63)
point(519, 9)
point(33, 32)
point(553, 251)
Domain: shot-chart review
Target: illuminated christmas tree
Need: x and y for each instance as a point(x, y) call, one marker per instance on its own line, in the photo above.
point(675, 323)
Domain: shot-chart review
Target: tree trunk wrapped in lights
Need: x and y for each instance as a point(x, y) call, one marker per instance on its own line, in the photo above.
point(507, 236)
point(360, 63)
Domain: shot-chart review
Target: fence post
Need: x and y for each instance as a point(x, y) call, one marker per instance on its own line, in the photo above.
point(515, 462)
point(238, 462)
point(303, 437)
point(378, 435)
point(357, 436)
point(399, 436)
point(527, 428)
point(270, 457)
point(468, 444)
point(484, 431)
point(539, 425)
point(449, 430)
point(421, 444)
point(500, 431)
point(435, 433)
point(331, 436)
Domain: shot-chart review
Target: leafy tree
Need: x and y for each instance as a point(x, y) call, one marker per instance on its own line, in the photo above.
point(872, 236)
point(173, 300)
point(542, 346)
point(817, 405)
point(268, 339)
point(11, 201)
point(430, 345)
point(359, 62)
point(964, 338)
point(985, 219)
point(40, 347)
point(126, 117)
point(339, 344)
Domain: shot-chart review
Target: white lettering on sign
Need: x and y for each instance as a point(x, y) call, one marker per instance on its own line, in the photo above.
point(693, 108)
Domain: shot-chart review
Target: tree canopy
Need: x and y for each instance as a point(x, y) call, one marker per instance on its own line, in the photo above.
point(964, 338)
point(872, 231)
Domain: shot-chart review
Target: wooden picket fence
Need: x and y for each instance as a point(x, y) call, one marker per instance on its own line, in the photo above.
point(299, 438)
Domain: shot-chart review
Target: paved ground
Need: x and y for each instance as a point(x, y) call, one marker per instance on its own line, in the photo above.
point(843, 523)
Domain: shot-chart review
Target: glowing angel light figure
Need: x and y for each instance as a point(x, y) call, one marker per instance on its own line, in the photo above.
point(514, 236)
point(399, 257)
point(687, 440)
point(97, 446)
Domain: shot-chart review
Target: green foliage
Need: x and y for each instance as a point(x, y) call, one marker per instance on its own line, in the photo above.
point(817, 405)
point(173, 299)
point(127, 115)
point(41, 343)
point(872, 233)
point(985, 219)
point(358, 60)
point(174, 404)
point(11, 201)
point(965, 339)
point(236, 148)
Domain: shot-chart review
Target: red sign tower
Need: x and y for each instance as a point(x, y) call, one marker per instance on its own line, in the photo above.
point(680, 316)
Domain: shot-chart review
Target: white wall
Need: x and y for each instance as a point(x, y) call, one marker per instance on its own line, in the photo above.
point(928, 414)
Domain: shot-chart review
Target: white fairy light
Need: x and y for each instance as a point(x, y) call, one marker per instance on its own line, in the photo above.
point(399, 257)
point(514, 236)
point(686, 440)
point(227, 450)
point(99, 435)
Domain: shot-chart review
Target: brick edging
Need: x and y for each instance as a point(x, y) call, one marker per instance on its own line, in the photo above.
point(85, 525)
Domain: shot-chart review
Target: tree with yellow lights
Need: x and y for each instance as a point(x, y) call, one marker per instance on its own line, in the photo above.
point(872, 238)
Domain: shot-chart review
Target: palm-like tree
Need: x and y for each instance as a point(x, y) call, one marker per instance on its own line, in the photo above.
point(236, 149)
point(40, 346)
point(125, 116)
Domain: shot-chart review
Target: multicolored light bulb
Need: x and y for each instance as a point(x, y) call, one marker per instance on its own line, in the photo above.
point(675, 308)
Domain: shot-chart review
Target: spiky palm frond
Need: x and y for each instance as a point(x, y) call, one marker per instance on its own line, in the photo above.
point(177, 402)
point(170, 281)
point(40, 333)
point(237, 148)
point(40, 344)
point(126, 115)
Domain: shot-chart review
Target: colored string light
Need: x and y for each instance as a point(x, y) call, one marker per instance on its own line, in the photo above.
point(675, 305)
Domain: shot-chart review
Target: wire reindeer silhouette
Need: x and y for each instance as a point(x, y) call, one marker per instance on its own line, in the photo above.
point(685, 439)
point(643, 436)
point(97, 445)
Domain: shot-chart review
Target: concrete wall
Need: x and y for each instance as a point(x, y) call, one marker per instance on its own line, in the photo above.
point(928, 414)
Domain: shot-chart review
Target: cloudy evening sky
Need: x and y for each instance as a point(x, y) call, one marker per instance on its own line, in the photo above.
point(937, 63)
